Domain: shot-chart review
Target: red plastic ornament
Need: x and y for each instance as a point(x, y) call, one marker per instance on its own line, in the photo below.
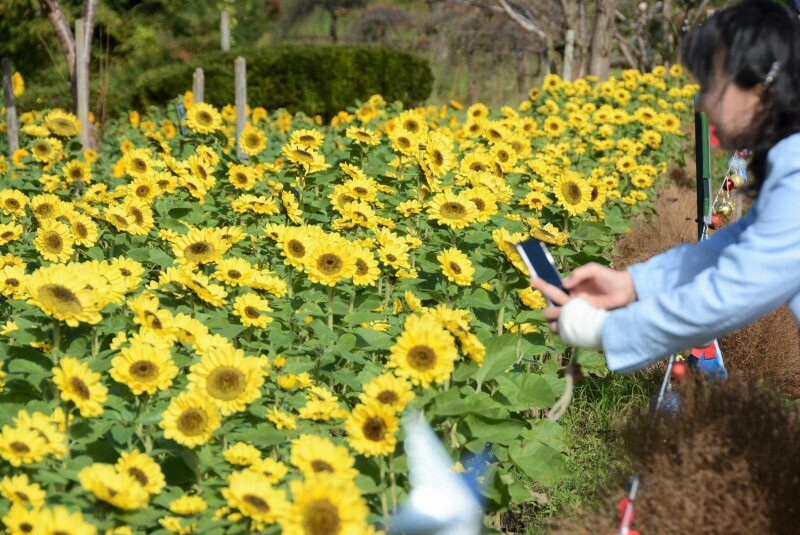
point(679, 369)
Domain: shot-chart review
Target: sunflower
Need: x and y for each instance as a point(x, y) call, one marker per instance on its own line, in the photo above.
point(188, 505)
point(404, 142)
point(273, 470)
point(253, 495)
point(130, 270)
point(367, 270)
point(60, 521)
point(371, 429)
point(77, 171)
point(292, 207)
point(228, 378)
point(46, 206)
point(20, 446)
point(438, 154)
point(554, 126)
point(190, 419)
point(547, 233)
point(389, 390)
point(10, 232)
point(363, 136)
point(325, 505)
point(485, 201)
point(424, 353)
point(330, 260)
point(532, 299)
point(203, 118)
point(13, 202)
point(536, 200)
point(236, 272)
point(61, 292)
point(395, 254)
point(143, 469)
point(201, 286)
point(84, 229)
point(309, 159)
point(62, 123)
point(572, 192)
point(296, 243)
point(252, 141)
point(251, 310)
point(199, 246)
point(119, 489)
point(145, 366)
point(138, 163)
point(242, 177)
point(79, 384)
point(452, 210)
point(414, 122)
point(314, 455)
point(20, 520)
point(242, 454)
point(505, 157)
point(311, 139)
point(12, 281)
point(456, 266)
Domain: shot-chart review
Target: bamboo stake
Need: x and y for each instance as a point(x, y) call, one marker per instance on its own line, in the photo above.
point(225, 30)
point(11, 106)
point(82, 79)
point(240, 75)
point(198, 85)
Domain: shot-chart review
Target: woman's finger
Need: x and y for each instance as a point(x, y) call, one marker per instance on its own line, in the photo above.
point(551, 313)
point(556, 295)
point(554, 326)
point(581, 274)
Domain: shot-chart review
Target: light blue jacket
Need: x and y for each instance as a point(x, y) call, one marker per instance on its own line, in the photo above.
point(696, 292)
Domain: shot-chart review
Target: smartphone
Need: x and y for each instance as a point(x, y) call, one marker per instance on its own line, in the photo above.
point(540, 262)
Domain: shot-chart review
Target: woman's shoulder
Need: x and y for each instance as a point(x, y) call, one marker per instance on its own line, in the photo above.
point(784, 157)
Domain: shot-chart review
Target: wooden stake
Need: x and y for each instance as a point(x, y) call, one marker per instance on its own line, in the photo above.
point(240, 75)
point(198, 85)
point(224, 27)
point(11, 106)
point(82, 79)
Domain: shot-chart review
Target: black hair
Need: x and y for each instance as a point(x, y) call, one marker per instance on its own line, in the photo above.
point(759, 41)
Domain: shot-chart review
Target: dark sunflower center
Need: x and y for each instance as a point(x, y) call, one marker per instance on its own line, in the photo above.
point(143, 191)
point(307, 139)
point(479, 203)
point(125, 272)
point(321, 518)
point(120, 220)
point(296, 248)
point(144, 370)
point(252, 313)
point(53, 242)
point(205, 118)
point(437, 157)
point(455, 268)
point(62, 299)
point(412, 126)
point(139, 165)
point(81, 230)
point(22, 496)
point(12, 282)
point(199, 249)
point(454, 210)
point(234, 274)
point(374, 429)
point(139, 476)
point(258, 502)
point(226, 383)
point(20, 447)
point(303, 155)
point(44, 210)
point(362, 268)
point(153, 320)
point(422, 357)
point(192, 422)
point(330, 263)
point(572, 193)
point(7, 234)
point(388, 397)
point(318, 465)
point(80, 388)
point(241, 178)
point(137, 214)
point(12, 204)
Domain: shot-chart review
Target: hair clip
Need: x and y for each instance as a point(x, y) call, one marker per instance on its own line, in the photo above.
point(769, 79)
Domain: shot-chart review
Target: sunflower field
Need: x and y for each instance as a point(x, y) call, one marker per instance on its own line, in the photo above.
point(205, 336)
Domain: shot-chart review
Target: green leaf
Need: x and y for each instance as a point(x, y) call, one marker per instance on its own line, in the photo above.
point(497, 431)
point(590, 231)
point(538, 461)
point(160, 258)
point(591, 362)
point(501, 354)
point(525, 390)
point(548, 433)
point(452, 402)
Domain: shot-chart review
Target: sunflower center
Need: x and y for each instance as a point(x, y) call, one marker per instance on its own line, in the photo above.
point(7, 234)
point(360, 190)
point(479, 204)
point(572, 193)
point(26, 527)
point(454, 210)
point(437, 157)
point(12, 282)
point(199, 250)
point(205, 118)
point(192, 422)
point(422, 357)
point(241, 178)
point(226, 382)
point(391, 258)
point(330, 263)
point(374, 429)
point(144, 370)
point(303, 155)
point(307, 139)
point(80, 388)
point(20, 447)
point(76, 173)
point(252, 140)
point(404, 142)
point(318, 465)
point(44, 210)
point(362, 268)
point(121, 221)
point(258, 502)
point(503, 156)
point(387, 397)
point(12, 204)
point(139, 476)
point(143, 191)
point(53, 242)
point(139, 165)
point(297, 249)
point(153, 320)
point(137, 214)
point(322, 518)
point(252, 313)
point(60, 298)
point(595, 193)
point(411, 125)
point(81, 230)
point(455, 268)
point(234, 274)
point(22, 496)
point(125, 272)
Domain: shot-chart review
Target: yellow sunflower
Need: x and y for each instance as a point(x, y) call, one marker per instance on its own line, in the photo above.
point(456, 266)
point(389, 390)
point(242, 454)
point(314, 455)
point(203, 118)
point(59, 519)
point(274, 470)
point(77, 171)
point(61, 292)
point(572, 192)
point(296, 243)
point(252, 310)
point(363, 136)
point(255, 497)
point(79, 384)
point(371, 429)
point(199, 246)
point(330, 260)
point(190, 419)
point(325, 505)
point(62, 123)
point(145, 366)
point(452, 210)
point(243, 177)
point(114, 487)
point(236, 272)
point(20, 490)
point(228, 378)
point(424, 353)
point(46, 206)
point(20, 446)
point(311, 139)
point(84, 229)
point(10, 232)
point(143, 469)
point(188, 505)
point(13, 202)
point(367, 270)
point(252, 141)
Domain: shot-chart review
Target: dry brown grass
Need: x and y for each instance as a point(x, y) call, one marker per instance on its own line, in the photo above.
point(729, 463)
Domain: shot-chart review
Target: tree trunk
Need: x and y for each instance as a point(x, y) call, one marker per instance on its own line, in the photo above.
point(600, 49)
point(334, 35)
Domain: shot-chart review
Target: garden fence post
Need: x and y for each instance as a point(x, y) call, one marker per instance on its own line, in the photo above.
point(11, 106)
point(702, 149)
point(82, 79)
point(224, 27)
point(198, 85)
point(240, 74)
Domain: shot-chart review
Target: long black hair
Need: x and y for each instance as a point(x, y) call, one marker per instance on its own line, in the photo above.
point(759, 42)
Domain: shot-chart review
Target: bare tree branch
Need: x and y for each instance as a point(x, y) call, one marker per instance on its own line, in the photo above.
point(526, 23)
point(88, 15)
point(63, 31)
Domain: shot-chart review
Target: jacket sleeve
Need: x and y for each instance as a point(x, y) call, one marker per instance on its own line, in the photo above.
point(708, 289)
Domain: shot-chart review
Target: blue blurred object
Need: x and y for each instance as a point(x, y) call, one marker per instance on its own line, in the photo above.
point(708, 360)
point(670, 403)
point(441, 501)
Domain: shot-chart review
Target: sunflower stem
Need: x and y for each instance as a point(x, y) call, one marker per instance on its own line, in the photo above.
point(330, 307)
point(393, 483)
point(198, 472)
point(384, 504)
point(95, 342)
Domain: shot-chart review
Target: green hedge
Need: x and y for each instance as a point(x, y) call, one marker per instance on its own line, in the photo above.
point(312, 79)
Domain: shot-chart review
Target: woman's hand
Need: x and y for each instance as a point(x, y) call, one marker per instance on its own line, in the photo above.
point(601, 286)
point(577, 321)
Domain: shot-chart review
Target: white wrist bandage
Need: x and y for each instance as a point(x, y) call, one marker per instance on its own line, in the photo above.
point(580, 324)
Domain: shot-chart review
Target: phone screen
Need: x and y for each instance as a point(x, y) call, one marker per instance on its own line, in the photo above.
point(539, 261)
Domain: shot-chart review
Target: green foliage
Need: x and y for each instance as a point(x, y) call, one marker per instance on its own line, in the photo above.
point(314, 79)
